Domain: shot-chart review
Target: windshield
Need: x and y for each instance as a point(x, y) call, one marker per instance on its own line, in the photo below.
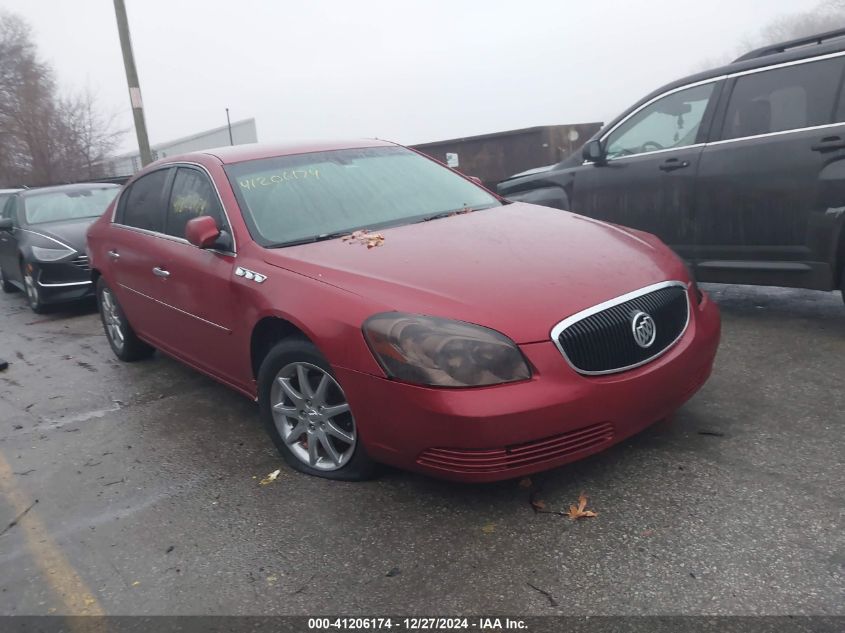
point(55, 206)
point(299, 198)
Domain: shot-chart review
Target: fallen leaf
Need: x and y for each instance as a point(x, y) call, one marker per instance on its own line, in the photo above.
point(538, 504)
point(489, 528)
point(136, 583)
point(580, 511)
point(269, 478)
point(526, 483)
point(371, 240)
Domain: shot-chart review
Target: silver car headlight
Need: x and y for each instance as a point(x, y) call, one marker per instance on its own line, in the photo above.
point(51, 254)
point(439, 352)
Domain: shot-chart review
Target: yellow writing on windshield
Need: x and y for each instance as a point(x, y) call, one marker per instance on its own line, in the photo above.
point(276, 179)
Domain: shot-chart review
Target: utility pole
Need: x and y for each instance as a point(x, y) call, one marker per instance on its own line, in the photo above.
point(132, 80)
point(229, 123)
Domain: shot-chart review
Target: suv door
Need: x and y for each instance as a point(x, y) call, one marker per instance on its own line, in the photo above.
point(198, 286)
point(134, 248)
point(647, 180)
point(770, 195)
point(9, 242)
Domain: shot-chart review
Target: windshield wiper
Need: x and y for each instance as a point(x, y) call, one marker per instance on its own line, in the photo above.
point(446, 214)
point(310, 240)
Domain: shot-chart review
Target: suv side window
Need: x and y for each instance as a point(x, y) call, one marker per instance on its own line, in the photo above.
point(670, 122)
point(192, 195)
point(9, 208)
point(144, 202)
point(782, 99)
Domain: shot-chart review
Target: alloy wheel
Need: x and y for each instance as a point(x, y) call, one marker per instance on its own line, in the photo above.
point(31, 288)
point(312, 416)
point(111, 317)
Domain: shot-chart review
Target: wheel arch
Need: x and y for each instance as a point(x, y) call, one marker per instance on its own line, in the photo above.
point(268, 331)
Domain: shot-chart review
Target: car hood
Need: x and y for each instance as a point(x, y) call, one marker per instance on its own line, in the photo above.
point(519, 268)
point(70, 232)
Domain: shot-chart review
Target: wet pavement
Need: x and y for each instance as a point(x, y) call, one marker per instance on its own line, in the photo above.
point(146, 481)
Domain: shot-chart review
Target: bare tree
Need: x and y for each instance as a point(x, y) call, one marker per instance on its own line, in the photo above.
point(45, 137)
point(828, 15)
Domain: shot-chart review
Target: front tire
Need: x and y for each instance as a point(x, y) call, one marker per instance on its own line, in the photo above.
point(306, 413)
point(120, 335)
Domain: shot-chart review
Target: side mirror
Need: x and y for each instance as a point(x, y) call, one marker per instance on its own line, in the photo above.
point(202, 232)
point(6, 224)
point(594, 152)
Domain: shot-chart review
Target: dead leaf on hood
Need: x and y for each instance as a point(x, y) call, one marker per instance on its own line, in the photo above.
point(371, 240)
point(269, 478)
point(580, 511)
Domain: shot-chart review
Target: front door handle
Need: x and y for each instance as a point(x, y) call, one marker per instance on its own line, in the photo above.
point(672, 164)
point(160, 272)
point(113, 254)
point(829, 144)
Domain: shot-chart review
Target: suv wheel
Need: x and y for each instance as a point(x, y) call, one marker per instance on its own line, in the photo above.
point(7, 285)
point(124, 343)
point(33, 296)
point(305, 412)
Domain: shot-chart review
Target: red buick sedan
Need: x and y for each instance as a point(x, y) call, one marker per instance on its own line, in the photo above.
point(381, 307)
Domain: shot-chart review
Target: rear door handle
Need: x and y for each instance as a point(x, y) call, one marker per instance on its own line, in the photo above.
point(828, 144)
point(672, 164)
point(160, 272)
point(113, 254)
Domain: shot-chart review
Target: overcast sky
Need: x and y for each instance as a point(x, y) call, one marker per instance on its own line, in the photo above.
point(409, 71)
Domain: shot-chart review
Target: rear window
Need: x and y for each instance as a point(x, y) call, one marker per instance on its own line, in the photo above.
point(56, 206)
point(302, 197)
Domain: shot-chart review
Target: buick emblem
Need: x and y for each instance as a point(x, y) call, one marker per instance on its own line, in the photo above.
point(644, 329)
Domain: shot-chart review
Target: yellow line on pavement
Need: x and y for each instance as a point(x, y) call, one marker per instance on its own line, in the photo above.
point(63, 580)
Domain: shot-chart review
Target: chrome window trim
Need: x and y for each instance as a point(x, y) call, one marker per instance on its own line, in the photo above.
point(167, 305)
point(558, 329)
point(742, 73)
point(794, 62)
point(233, 252)
point(656, 151)
point(778, 133)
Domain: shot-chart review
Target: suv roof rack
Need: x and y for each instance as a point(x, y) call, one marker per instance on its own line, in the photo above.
point(773, 49)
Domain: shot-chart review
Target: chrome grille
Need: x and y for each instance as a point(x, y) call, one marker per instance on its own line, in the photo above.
point(81, 262)
point(600, 340)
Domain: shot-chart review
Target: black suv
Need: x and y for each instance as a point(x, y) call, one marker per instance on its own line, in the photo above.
point(740, 169)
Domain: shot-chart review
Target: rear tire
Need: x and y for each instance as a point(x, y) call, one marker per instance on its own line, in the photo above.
point(120, 335)
point(7, 285)
point(300, 398)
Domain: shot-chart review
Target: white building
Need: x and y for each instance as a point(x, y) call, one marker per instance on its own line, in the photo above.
point(127, 164)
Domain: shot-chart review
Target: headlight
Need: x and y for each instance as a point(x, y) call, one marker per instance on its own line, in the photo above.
point(439, 352)
point(51, 254)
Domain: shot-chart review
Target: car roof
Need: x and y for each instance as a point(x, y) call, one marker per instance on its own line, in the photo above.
point(255, 151)
point(82, 186)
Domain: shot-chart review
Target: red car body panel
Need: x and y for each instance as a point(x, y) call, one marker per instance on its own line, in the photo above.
point(518, 269)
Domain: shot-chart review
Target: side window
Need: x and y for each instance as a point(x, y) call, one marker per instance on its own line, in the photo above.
point(144, 204)
point(8, 209)
point(670, 122)
point(783, 99)
point(192, 196)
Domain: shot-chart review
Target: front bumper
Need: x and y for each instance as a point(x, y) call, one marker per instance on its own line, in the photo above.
point(507, 431)
point(63, 281)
